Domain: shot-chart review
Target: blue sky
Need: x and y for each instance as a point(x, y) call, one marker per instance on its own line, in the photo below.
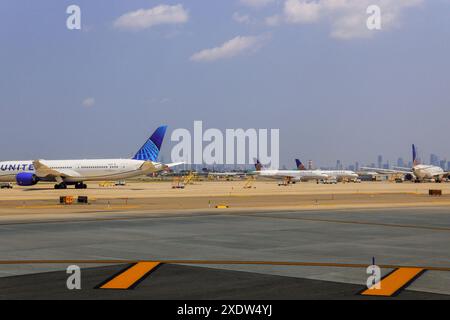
point(335, 89)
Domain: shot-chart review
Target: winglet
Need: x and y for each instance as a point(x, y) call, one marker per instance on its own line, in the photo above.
point(150, 150)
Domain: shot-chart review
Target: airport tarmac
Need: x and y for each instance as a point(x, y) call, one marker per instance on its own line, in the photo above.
point(178, 282)
point(400, 237)
point(41, 202)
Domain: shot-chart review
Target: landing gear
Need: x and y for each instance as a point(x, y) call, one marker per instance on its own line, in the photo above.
point(80, 185)
point(61, 185)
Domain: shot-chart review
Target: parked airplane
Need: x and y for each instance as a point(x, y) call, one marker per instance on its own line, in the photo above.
point(289, 175)
point(75, 172)
point(339, 175)
point(419, 172)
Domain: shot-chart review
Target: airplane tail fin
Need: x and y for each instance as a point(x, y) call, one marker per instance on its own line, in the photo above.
point(258, 165)
point(150, 150)
point(414, 155)
point(300, 165)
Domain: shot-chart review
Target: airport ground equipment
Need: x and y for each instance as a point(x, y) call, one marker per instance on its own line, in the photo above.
point(6, 185)
point(106, 184)
point(221, 206)
point(328, 181)
point(177, 183)
point(189, 179)
point(435, 192)
point(66, 199)
point(249, 182)
point(285, 182)
point(83, 199)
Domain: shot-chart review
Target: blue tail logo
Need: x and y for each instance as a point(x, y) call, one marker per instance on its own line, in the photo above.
point(150, 150)
point(258, 165)
point(299, 164)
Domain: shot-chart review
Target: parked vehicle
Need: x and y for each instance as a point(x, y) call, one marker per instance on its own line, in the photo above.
point(6, 185)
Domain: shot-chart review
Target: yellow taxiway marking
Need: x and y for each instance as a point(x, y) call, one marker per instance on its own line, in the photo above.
point(131, 276)
point(394, 282)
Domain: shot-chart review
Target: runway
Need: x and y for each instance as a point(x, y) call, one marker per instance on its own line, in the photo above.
point(400, 237)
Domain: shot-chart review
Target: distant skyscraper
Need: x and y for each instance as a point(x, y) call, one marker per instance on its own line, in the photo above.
point(338, 165)
point(380, 161)
point(356, 166)
point(400, 162)
point(434, 160)
point(442, 164)
point(310, 164)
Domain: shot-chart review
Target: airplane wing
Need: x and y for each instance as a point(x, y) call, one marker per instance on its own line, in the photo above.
point(44, 171)
point(403, 169)
point(378, 170)
point(149, 166)
point(173, 164)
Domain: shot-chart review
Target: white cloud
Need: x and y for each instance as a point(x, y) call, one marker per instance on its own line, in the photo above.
point(231, 48)
point(256, 3)
point(146, 18)
point(347, 18)
point(241, 18)
point(297, 11)
point(273, 21)
point(88, 102)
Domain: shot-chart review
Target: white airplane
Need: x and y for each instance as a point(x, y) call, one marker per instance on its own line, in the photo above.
point(75, 172)
point(419, 172)
point(289, 175)
point(339, 175)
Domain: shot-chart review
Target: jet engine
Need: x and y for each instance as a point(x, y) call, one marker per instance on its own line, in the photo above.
point(26, 179)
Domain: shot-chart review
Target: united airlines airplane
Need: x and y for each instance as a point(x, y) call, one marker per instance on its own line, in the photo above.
point(339, 175)
point(76, 172)
point(418, 172)
point(289, 175)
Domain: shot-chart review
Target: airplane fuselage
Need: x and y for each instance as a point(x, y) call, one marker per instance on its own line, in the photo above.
point(78, 170)
point(303, 175)
point(423, 172)
point(341, 174)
